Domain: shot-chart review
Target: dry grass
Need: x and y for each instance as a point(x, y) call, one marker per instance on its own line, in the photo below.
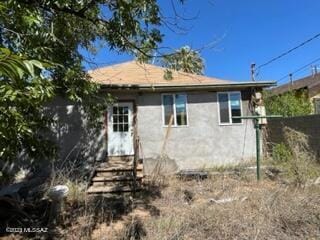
point(172, 208)
point(265, 210)
point(295, 157)
point(189, 210)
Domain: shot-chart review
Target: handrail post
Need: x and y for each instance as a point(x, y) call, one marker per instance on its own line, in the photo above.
point(135, 159)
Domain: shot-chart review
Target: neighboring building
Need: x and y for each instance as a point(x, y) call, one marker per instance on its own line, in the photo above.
point(187, 120)
point(310, 85)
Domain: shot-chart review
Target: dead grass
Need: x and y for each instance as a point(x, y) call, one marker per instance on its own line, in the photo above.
point(230, 205)
point(295, 157)
point(265, 210)
point(191, 210)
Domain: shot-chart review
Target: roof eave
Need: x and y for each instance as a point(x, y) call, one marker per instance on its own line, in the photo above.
point(172, 87)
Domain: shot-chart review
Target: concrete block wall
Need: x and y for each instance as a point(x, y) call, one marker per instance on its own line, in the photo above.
point(309, 125)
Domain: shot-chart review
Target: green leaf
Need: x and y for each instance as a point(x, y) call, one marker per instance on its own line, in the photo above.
point(37, 63)
point(29, 67)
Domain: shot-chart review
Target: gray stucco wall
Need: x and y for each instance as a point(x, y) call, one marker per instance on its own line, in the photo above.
point(76, 141)
point(202, 144)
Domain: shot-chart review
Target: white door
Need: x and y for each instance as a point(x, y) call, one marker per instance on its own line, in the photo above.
point(120, 129)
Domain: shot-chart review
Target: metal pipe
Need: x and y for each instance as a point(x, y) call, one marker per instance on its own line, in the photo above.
point(257, 126)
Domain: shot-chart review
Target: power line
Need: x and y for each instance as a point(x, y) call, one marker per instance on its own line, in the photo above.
point(299, 69)
point(289, 51)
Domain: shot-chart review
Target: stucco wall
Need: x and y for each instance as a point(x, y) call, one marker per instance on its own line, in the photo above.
point(203, 143)
point(76, 141)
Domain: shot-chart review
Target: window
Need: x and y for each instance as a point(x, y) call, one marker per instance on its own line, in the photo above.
point(120, 119)
point(175, 109)
point(229, 106)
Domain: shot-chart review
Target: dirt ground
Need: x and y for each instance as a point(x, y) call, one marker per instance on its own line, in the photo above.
point(220, 207)
point(223, 206)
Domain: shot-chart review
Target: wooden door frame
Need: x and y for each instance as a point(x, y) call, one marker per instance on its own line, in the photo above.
point(134, 125)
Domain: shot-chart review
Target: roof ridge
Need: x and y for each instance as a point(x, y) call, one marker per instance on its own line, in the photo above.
point(134, 61)
point(111, 65)
point(138, 73)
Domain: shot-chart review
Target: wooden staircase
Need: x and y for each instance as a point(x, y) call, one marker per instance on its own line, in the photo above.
point(117, 175)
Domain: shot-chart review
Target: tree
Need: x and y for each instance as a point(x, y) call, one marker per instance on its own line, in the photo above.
point(43, 37)
point(184, 59)
point(288, 104)
point(20, 101)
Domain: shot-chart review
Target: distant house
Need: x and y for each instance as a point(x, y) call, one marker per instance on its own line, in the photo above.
point(310, 85)
point(187, 120)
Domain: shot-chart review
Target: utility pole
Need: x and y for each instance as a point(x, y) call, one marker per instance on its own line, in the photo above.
point(314, 70)
point(291, 80)
point(253, 72)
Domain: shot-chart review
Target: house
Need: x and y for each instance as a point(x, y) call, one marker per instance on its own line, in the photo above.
point(310, 85)
point(183, 123)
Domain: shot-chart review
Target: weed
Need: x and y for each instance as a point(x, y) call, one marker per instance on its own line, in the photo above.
point(296, 157)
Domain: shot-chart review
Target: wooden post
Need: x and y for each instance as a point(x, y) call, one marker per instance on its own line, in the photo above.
point(135, 160)
point(136, 152)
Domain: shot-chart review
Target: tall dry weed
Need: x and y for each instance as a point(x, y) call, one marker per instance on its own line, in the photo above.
point(296, 157)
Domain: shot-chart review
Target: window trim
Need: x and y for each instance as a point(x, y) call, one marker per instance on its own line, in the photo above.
point(174, 110)
point(229, 105)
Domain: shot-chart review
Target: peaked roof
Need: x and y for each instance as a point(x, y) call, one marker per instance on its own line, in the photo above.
point(312, 83)
point(142, 76)
point(141, 73)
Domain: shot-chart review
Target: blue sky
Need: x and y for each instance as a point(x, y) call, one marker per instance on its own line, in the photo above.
point(247, 31)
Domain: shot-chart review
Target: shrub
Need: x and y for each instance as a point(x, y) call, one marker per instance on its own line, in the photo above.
point(281, 153)
point(296, 157)
point(288, 104)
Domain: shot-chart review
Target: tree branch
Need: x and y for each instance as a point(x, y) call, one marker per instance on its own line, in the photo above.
point(81, 14)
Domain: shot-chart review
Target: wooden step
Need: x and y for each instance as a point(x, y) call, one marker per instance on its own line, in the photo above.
point(120, 158)
point(116, 178)
point(119, 169)
point(116, 184)
point(110, 189)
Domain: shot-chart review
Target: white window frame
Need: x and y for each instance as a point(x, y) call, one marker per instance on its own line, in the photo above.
point(174, 124)
point(229, 106)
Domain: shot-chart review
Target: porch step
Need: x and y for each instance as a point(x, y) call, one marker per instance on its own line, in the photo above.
point(120, 159)
point(110, 189)
point(117, 178)
point(119, 168)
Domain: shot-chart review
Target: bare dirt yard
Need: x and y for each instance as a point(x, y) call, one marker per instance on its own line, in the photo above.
point(229, 204)
point(220, 207)
point(223, 206)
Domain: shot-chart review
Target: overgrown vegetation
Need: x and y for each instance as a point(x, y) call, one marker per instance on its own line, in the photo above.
point(288, 104)
point(295, 157)
point(257, 211)
point(223, 206)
